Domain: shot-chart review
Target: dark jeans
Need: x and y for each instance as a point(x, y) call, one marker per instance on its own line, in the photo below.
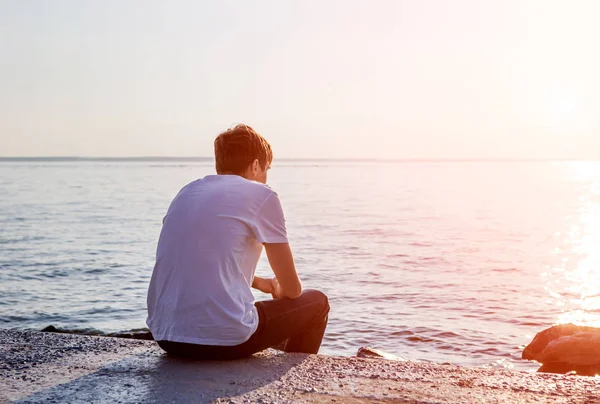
point(293, 325)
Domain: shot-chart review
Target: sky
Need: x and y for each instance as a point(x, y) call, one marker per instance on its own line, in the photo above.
point(319, 79)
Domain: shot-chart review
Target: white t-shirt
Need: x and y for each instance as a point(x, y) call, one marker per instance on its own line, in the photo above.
point(207, 253)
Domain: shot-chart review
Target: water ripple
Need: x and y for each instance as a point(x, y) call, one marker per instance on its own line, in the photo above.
point(435, 262)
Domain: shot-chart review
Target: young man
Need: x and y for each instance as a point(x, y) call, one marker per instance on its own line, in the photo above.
point(200, 303)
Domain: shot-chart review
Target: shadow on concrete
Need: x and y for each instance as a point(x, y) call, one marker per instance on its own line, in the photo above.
point(162, 378)
point(190, 381)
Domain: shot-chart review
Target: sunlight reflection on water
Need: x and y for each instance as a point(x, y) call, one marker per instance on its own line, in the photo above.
point(579, 275)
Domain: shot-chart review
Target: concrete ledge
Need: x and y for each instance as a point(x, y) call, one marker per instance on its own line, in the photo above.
point(46, 367)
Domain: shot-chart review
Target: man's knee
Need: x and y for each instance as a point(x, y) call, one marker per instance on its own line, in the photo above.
point(320, 297)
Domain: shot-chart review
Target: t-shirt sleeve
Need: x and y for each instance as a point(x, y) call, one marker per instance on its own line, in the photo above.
point(269, 224)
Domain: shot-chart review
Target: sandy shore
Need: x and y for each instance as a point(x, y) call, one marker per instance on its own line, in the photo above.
point(47, 367)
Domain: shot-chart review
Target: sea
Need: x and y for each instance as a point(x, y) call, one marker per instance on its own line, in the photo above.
point(457, 262)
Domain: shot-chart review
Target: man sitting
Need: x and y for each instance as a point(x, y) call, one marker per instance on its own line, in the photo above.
point(200, 303)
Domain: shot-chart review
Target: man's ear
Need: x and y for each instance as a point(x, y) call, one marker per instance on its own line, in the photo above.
point(255, 165)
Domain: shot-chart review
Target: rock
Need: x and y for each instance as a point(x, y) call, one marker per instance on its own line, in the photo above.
point(52, 328)
point(139, 333)
point(565, 348)
point(366, 352)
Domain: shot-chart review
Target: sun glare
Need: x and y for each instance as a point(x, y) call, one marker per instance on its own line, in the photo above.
point(582, 280)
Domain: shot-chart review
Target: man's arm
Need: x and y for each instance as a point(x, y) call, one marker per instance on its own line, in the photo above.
point(286, 283)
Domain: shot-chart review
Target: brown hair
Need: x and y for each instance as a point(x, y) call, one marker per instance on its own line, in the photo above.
point(238, 147)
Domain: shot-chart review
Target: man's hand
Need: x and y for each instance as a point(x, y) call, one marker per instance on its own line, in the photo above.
point(262, 284)
point(265, 285)
point(276, 293)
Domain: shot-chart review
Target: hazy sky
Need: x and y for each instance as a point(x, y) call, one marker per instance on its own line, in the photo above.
point(365, 79)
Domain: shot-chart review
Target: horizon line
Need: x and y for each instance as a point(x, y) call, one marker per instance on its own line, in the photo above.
point(205, 159)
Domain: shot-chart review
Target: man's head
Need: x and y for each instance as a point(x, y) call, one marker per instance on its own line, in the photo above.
point(242, 151)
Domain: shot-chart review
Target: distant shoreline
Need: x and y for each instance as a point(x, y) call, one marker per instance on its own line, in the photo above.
point(169, 159)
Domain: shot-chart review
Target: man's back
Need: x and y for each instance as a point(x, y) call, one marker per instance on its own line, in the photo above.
point(207, 253)
point(200, 304)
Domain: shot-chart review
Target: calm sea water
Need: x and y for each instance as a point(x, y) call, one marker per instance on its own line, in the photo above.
point(458, 262)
